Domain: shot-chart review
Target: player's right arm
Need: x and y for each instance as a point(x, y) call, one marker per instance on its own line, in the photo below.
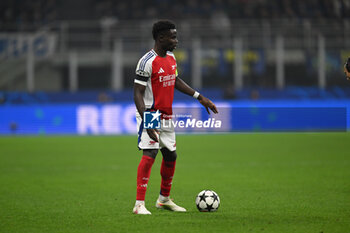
point(143, 73)
point(139, 92)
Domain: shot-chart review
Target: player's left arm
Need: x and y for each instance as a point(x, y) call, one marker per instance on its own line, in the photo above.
point(186, 89)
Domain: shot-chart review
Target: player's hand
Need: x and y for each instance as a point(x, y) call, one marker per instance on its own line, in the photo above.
point(153, 134)
point(207, 104)
point(347, 69)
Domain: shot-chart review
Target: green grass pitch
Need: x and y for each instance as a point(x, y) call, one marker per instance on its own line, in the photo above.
point(295, 182)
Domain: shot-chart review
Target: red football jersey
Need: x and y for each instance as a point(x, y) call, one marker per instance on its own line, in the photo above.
point(158, 74)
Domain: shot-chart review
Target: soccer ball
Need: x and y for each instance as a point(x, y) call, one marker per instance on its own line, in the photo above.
point(207, 201)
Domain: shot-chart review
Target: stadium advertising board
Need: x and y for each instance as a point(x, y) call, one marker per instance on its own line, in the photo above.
point(114, 119)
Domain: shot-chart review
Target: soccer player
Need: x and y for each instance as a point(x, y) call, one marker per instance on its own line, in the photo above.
point(156, 78)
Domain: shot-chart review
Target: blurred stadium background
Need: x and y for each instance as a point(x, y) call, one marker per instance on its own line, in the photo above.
point(67, 68)
point(57, 55)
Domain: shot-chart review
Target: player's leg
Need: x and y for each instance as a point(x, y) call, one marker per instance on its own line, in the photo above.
point(143, 174)
point(167, 170)
point(150, 150)
point(167, 142)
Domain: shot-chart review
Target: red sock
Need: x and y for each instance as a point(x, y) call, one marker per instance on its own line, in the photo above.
point(167, 172)
point(143, 173)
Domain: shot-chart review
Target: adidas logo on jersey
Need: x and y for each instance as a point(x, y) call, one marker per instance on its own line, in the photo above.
point(161, 70)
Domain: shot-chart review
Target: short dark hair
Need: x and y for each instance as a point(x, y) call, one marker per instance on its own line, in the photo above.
point(161, 26)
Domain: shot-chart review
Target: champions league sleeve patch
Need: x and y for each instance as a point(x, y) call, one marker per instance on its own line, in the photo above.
point(142, 73)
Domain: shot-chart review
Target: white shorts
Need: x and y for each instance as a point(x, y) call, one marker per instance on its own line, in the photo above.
point(166, 136)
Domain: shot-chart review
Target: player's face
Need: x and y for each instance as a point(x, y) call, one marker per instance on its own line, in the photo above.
point(170, 40)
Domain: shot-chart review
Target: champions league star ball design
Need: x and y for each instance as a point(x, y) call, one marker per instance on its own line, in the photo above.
point(207, 201)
